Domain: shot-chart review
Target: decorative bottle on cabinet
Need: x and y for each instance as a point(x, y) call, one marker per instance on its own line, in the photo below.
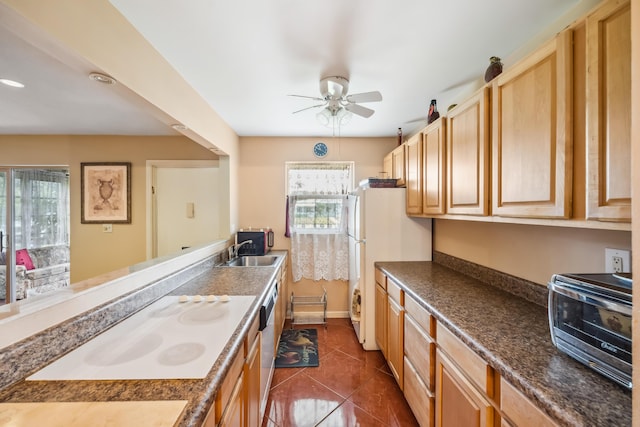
point(493, 70)
point(433, 112)
point(399, 136)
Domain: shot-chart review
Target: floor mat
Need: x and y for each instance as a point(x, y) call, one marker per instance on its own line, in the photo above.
point(298, 348)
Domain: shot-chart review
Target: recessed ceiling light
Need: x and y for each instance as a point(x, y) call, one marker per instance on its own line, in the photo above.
point(11, 83)
point(102, 78)
point(179, 126)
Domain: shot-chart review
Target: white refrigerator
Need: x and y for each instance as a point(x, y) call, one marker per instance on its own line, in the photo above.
point(379, 230)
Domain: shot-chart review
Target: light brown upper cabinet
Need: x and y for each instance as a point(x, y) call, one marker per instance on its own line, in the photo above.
point(399, 160)
point(387, 165)
point(413, 173)
point(433, 167)
point(468, 156)
point(609, 112)
point(532, 151)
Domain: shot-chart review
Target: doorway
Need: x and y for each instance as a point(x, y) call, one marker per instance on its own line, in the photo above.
point(185, 208)
point(34, 230)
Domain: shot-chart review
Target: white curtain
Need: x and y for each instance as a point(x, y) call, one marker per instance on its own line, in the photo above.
point(42, 208)
point(319, 254)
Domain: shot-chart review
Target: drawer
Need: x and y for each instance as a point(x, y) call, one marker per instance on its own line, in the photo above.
point(476, 369)
point(420, 349)
point(381, 279)
point(519, 409)
point(418, 395)
point(395, 292)
point(422, 317)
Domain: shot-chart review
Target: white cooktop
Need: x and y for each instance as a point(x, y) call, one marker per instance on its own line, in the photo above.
point(169, 339)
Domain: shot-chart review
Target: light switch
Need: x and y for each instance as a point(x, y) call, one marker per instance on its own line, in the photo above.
point(190, 210)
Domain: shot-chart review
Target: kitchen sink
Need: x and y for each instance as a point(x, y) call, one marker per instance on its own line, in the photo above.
point(253, 261)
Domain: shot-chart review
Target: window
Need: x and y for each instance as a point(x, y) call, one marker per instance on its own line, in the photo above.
point(41, 206)
point(317, 219)
point(317, 192)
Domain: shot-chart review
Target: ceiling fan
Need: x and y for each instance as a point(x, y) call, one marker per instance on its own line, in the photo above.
point(336, 102)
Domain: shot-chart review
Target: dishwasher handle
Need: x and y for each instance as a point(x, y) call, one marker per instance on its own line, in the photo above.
point(267, 308)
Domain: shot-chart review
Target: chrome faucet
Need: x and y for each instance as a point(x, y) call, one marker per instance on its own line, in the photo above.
point(233, 249)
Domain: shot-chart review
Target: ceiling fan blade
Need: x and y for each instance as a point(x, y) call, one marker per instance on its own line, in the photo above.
point(359, 110)
point(365, 97)
point(308, 108)
point(315, 98)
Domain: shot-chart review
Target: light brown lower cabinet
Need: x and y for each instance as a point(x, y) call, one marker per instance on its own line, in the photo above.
point(418, 395)
point(395, 349)
point(252, 383)
point(237, 402)
point(381, 319)
point(458, 402)
point(520, 410)
point(445, 383)
point(233, 415)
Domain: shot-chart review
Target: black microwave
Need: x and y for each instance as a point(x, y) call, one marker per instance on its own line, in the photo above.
point(261, 241)
point(590, 320)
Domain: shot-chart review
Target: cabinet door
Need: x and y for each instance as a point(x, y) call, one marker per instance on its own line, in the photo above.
point(418, 395)
point(387, 165)
point(381, 319)
point(413, 151)
point(395, 350)
point(252, 383)
point(532, 158)
point(399, 165)
point(468, 156)
point(278, 315)
point(433, 168)
point(609, 112)
point(458, 403)
point(233, 415)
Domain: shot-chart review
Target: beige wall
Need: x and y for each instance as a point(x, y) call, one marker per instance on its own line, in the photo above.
point(92, 251)
point(262, 189)
point(531, 252)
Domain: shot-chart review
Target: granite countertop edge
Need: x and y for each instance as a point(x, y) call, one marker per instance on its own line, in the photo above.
point(512, 335)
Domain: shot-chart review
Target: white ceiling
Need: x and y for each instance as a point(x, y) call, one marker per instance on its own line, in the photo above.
point(245, 56)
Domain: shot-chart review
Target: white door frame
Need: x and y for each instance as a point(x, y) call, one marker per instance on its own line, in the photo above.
point(152, 166)
point(10, 261)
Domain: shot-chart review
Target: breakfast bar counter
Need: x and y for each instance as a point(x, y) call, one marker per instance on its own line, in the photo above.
point(181, 402)
point(512, 335)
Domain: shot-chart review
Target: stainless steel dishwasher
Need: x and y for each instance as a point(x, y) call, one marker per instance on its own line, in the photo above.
point(267, 358)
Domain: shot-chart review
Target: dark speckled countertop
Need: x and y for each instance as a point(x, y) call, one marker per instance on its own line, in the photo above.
point(512, 335)
point(200, 393)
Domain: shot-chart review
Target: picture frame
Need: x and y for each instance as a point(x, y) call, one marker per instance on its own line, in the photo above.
point(105, 190)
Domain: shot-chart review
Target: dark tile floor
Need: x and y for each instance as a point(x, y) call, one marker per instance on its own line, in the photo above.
point(351, 387)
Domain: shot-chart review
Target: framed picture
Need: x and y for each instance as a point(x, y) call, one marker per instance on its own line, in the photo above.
point(105, 193)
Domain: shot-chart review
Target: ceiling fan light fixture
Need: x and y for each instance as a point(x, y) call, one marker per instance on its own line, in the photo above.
point(336, 118)
point(324, 117)
point(343, 117)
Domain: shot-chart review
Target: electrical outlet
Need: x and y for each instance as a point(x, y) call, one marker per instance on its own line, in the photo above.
point(617, 264)
point(617, 261)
